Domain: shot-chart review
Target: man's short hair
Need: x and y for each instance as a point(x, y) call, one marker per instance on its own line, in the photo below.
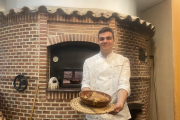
point(106, 29)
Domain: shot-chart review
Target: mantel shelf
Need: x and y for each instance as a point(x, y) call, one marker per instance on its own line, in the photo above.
point(64, 90)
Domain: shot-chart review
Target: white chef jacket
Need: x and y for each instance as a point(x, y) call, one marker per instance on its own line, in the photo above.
point(108, 75)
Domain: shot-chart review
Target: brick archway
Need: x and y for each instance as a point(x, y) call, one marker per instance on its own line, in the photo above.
point(68, 38)
point(72, 37)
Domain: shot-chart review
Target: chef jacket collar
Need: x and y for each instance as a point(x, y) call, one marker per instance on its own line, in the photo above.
point(110, 55)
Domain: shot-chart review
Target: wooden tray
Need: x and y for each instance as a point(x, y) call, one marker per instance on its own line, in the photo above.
point(77, 105)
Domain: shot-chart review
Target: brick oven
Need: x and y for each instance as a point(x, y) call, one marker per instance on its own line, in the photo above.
point(29, 39)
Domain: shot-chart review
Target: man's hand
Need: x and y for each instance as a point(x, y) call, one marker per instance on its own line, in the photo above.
point(85, 88)
point(122, 95)
point(117, 108)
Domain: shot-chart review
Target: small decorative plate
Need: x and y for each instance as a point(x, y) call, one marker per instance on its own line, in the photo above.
point(55, 59)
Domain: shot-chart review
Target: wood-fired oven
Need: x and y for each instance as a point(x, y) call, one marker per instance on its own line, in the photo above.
point(54, 42)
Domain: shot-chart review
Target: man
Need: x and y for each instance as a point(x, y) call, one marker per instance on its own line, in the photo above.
point(108, 72)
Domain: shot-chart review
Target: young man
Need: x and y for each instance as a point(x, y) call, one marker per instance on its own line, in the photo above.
point(108, 72)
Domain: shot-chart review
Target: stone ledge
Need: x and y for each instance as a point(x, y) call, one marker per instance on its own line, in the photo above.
point(64, 90)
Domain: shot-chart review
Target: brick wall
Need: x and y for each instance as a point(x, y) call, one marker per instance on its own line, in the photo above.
point(24, 41)
point(19, 54)
point(128, 43)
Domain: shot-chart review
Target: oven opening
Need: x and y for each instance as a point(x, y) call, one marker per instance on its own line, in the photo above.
point(67, 59)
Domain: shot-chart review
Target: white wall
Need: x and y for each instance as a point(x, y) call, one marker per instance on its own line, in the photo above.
point(120, 6)
point(160, 16)
point(2, 5)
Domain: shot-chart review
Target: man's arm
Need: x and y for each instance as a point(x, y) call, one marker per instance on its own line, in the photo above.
point(122, 96)
point(86, 81)
point(123, 87)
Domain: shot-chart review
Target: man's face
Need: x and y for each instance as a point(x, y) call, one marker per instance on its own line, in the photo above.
point(106, 41)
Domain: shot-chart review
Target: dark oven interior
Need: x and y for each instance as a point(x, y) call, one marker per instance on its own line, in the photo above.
point(66, 61)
